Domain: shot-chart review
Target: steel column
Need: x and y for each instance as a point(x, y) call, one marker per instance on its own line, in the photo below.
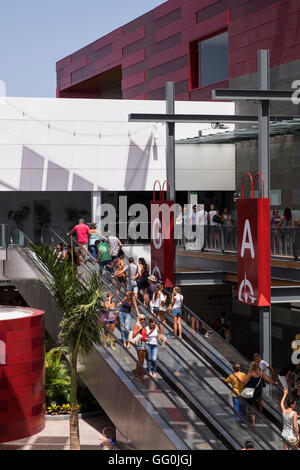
point(264, 168)
point(170, 139)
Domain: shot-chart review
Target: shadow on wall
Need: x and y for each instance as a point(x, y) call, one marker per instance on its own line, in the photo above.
point(138, 165)
point(57, 179)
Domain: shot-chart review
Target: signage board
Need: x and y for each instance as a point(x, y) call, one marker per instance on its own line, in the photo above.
point(254, 252)
point(162, 242)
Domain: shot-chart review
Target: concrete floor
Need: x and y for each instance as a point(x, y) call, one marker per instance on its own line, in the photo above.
point(55, 436)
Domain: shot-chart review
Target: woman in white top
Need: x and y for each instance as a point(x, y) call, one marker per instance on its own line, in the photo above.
point(152, 335)
point(290, 426)
point(176, 302)
point(157, 305)
point(211, 215)
point(157, 300)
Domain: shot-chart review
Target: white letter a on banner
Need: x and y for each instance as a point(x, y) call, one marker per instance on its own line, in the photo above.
point(247, 243)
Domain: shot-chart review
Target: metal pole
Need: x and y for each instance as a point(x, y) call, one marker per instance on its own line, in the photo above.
point(170, 139)
point(264, 168)
point(170, 148)
point(264, 83)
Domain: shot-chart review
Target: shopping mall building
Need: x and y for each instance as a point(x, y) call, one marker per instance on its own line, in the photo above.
point(67, 157)
point(201, 46)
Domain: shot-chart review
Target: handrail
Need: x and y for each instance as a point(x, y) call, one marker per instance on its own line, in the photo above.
point(206, 383)
point(112, 289)
point(203, 346)
point(194, 425)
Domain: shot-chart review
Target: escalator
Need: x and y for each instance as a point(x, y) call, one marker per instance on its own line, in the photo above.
point(148, 415)
point(193, 378)
point(222, 355)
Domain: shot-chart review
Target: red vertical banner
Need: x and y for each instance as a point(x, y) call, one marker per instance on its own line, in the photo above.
point(162, 241)
point(254, 251)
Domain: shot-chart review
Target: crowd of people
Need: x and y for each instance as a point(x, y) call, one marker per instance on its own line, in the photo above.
point(247, 394)
point(218, 229)
point(283, 233)
point(138, 283)
point(210, 220)
point(135, 278)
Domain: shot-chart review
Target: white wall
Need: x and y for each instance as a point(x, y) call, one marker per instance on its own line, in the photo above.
point(205, 167)
point(85, 145)
point(138, 251)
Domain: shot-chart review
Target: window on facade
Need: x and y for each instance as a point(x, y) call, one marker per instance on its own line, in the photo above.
point(209, 60)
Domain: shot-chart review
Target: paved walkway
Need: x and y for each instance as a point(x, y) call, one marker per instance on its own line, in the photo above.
point(55, 436)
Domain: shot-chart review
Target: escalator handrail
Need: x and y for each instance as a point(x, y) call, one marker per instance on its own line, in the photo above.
point(155, 381)
point(194, 425)
point(111, 287)
point(226, 343)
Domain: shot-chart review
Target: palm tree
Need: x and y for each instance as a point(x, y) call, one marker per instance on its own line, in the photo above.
point(57, 377)
point(79, 329)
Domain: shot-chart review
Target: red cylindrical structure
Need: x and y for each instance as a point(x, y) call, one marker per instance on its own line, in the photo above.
point(22, 374)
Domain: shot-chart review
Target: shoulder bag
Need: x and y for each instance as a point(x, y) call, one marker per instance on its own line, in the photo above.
point(249, 392)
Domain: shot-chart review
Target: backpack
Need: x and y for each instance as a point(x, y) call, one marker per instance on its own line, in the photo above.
point(217, 219)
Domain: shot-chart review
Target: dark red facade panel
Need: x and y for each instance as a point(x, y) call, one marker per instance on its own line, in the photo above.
point(138, 22)
point(106, 50)
point(131, 93)
point(160, 44)
point(167, 67)
point(253, 6)
point(134, 47)
point(159, 94)
point(165, 44)
point(168, 19)
point(134, 69)
point(82, 74)
point(212, 10)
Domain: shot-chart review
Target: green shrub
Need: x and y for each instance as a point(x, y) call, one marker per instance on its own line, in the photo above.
point(57, 379)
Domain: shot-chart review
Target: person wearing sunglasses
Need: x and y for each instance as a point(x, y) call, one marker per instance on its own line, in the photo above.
point(141, 346)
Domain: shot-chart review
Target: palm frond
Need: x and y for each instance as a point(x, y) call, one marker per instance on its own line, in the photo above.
point(79, 299)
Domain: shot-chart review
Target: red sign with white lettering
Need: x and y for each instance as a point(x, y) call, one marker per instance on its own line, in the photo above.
point(162, 241)
point(254, 252)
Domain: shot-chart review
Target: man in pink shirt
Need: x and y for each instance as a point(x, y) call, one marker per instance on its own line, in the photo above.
point(82, 231)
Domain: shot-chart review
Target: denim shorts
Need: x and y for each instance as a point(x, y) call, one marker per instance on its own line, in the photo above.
point(132, 287)
point(176, 312)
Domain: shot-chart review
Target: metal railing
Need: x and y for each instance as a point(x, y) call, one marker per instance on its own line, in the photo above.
point(181, 350)
point(285, 242)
